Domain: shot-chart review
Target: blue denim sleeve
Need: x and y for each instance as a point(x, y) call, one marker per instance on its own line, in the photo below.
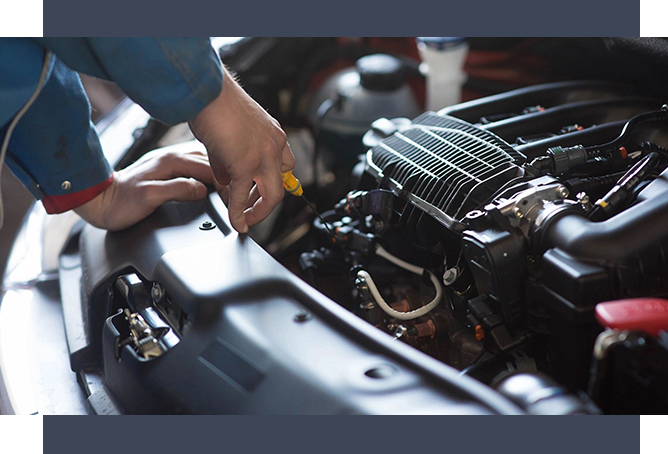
point(173, 79)
point(55, 149)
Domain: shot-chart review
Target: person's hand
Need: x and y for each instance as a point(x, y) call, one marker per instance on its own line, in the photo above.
point(139, 189)
point(247, 150)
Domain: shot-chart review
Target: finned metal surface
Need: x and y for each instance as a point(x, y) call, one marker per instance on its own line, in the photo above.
point(438, 160)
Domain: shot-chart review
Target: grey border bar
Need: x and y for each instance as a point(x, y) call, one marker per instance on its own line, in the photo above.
point(342, 18)
point(323, 435)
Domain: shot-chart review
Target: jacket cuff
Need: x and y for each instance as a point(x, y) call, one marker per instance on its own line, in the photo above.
point(60, 203)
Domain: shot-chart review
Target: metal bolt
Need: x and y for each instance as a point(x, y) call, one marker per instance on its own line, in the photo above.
point(66, 185)
point(302, 316)
point(361, 284)
point(157, 292)
point(450, 276)
point(582, 197)
point(207, 225)
point(399, 331)
point(518, 213)
point(562, 191)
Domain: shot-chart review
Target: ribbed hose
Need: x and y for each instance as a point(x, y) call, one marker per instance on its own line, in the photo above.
point(649, 147)
point(596, 183)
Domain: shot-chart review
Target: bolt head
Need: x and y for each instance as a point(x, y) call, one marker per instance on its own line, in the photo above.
point(562, 191)
point(400, 331)
point(302, 316)
point(157, 292)
point(450, 276)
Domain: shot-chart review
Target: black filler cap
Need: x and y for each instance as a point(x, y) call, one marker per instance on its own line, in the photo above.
point(380, 72)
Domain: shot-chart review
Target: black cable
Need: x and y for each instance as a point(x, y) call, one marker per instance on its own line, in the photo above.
point(633, 123)
point(320, 223)
point(594, 183)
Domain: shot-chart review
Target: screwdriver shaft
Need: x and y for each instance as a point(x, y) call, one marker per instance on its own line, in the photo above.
point(294, 187)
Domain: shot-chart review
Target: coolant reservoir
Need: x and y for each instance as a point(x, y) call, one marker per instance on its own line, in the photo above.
point(354, 98)
point(442, 63)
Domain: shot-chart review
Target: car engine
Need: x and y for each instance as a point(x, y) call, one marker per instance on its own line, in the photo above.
point(522, 232)
point(504, 255)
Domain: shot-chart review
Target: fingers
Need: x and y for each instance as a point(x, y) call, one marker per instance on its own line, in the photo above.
point(270, 188)
point(173, 165)
point(174, 150)
point(247, 204)
point(264, 196)
point(239, 193)
point(220, 173)
point(145, 185)
point(178, 189)
point(223, 192)
point(199, 153)
point(287, 158)
point(254, 195)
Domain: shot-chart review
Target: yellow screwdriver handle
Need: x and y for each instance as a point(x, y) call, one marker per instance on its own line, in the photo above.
point(292, 184)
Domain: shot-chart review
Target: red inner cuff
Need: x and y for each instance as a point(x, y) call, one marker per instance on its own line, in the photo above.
point(61, 203)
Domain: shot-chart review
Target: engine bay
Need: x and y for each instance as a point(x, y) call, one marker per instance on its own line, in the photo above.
point(494, 236)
